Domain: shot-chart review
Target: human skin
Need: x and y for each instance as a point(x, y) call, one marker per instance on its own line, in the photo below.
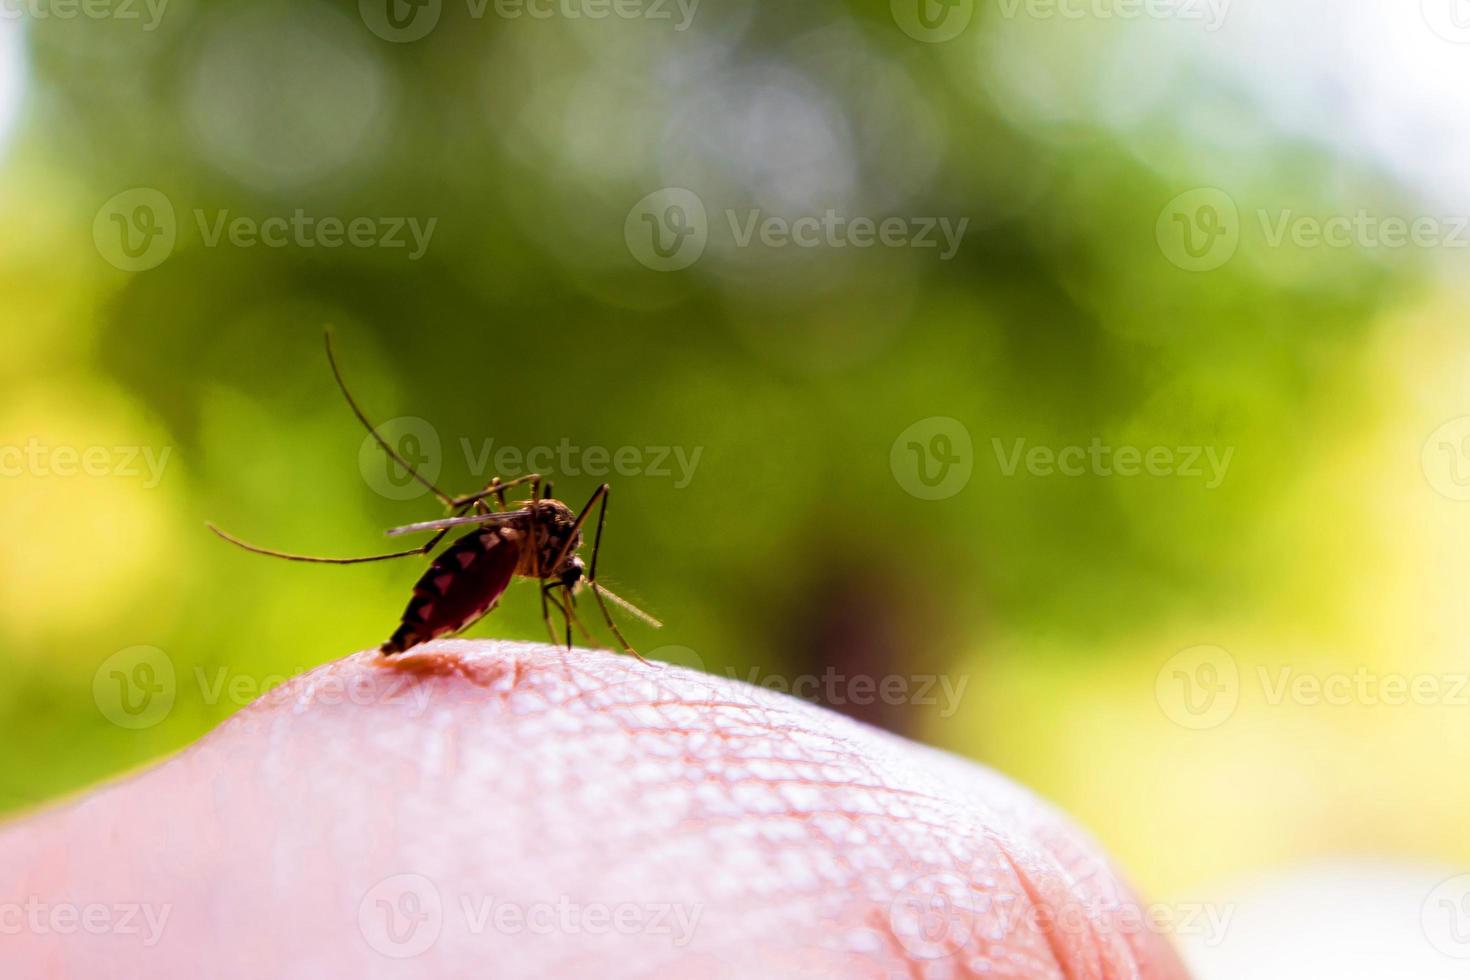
point(486, 809)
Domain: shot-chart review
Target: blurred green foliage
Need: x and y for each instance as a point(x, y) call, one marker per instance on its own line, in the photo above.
point(529, 320)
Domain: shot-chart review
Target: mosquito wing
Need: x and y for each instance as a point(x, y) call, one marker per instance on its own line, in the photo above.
point(448, 522)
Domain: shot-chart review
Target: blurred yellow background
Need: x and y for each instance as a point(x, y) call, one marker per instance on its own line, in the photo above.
point(1177, 235)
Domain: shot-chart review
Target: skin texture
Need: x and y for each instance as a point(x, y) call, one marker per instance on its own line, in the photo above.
point(503, 810)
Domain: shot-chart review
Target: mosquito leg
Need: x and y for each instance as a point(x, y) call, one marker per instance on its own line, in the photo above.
point(570, 606)
point(564, 604)
point(607, 617)
point(546, 616)
point(567, 613)
point(599, 497)
point(496, 488)
point(423, 549)
point(447, 500)
point(535, 543)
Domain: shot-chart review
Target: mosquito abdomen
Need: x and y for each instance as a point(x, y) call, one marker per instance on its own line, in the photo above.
point(461, 585)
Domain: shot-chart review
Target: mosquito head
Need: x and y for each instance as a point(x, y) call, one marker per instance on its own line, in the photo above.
point(573, 572)
point(554, 526)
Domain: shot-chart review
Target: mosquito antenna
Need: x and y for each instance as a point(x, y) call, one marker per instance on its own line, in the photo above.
point(311, 558)
point(447, 500)
point(626, 606)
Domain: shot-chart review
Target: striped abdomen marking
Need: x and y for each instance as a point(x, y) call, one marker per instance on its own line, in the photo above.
point(461, 585)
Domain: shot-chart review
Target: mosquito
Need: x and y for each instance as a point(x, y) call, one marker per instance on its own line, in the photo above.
point(538, 538)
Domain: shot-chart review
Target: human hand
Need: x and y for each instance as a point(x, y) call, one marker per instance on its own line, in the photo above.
point(488, 809)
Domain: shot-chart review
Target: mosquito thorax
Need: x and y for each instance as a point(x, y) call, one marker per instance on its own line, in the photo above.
point(551, 523)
